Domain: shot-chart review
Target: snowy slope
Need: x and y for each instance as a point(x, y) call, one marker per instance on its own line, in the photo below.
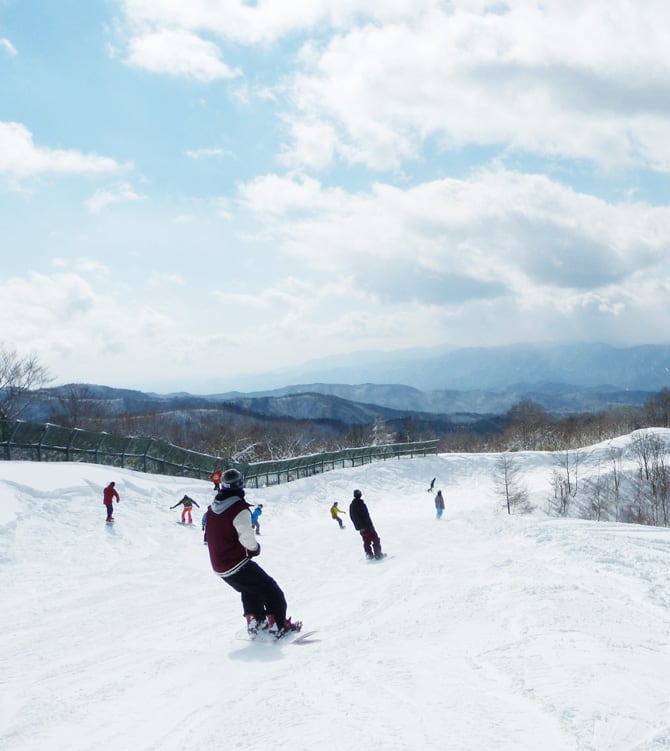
point(482, 631)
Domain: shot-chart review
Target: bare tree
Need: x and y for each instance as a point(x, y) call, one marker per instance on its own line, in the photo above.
point(616, 476)
point(657, 411)
point(653, 479)
point(508, 486)
point(284, 440)
point(19, 376)
point(643, 447)
point(565, 480)
point(78, 407)
point(409, 431)
point(598, 494)
point(529, 423)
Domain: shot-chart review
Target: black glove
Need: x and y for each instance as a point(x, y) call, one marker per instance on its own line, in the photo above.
point(254, 553)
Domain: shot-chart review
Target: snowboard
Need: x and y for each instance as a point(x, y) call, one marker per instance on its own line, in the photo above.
point(292, 637)
point(385, 557)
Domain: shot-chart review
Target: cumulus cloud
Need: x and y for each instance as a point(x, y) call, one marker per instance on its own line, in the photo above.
point(494, 234)
point(570, 80)
point(377, 81)
point(414, 93)
point(104, 197)
point(180, 53)
point(47, 304)
point(21, 158)
point(77, 323)
point(267, 21)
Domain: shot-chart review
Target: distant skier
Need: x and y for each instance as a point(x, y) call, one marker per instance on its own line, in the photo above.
point(432, 485)
point(439, 504)
point(215, 477)
point(203, 524)
point(255, 516)
point(188, 504)
point(108, 496)
point(232, 544)
point(360, 518)
point(335, 511)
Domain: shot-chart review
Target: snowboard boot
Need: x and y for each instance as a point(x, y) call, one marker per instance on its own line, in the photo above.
point(273, 628)
point(252, 625)
point(277, 632)
point(289, 625)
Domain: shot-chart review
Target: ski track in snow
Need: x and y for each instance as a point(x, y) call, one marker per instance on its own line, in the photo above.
point(480, 631)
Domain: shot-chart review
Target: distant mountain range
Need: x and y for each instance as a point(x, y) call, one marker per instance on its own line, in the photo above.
point(559, 399)
point(472, 369)
point(642, 368)
point(476, 384)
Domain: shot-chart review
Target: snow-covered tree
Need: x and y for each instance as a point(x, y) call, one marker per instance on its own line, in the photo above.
point(381, 434)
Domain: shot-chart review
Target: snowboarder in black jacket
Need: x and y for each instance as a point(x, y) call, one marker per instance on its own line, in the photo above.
point(188, 504)
point(232, 544)
point(360, 518)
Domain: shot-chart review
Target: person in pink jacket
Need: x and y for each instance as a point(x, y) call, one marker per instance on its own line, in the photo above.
point(108, 496)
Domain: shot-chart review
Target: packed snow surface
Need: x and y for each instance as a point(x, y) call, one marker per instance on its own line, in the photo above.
point(480, 631)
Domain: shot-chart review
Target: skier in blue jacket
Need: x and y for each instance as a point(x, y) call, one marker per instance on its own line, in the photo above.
point(255, 516)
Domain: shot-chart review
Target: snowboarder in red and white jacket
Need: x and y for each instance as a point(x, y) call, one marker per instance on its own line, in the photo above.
point(232, 544)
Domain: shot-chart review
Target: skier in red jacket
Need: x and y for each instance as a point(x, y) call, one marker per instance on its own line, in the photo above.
point(108, 496)
point(232, 544)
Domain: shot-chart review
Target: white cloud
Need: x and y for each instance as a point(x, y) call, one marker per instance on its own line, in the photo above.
point(498, 233)
point(264, 22)
point(92, 330)
point(377, 81)
point(9, 48)
point(104, 197)
point(409, 87)
point(179, 53)
point(314, 144)
point(208, 153)
point(277, 195)
point(48, 304)
point(580, 81)
point(21, 158)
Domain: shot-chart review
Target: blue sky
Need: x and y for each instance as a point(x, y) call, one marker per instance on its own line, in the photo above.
point(190, 190)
